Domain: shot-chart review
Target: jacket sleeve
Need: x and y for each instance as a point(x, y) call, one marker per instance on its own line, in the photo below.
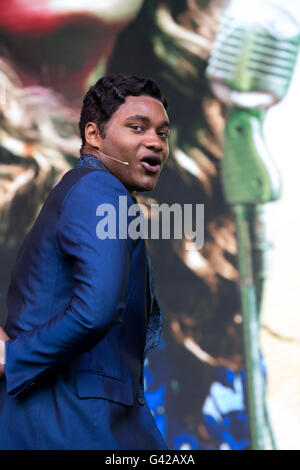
point(100, 272)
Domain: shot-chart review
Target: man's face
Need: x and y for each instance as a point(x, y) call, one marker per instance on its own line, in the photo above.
point(136, 133)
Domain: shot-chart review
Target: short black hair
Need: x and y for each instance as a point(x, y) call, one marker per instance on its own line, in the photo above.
point(106, 96)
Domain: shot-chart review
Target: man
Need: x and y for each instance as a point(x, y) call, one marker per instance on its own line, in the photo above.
point(82, 311)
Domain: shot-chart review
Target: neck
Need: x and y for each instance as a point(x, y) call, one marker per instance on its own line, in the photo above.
point(90, 151)
point(86, 151)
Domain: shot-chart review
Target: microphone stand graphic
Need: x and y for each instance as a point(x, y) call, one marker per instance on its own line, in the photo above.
point(250, 68)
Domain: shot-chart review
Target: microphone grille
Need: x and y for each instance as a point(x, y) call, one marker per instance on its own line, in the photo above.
point(251, 58)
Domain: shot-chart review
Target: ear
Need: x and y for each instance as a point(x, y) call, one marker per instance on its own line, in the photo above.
point(92, 135)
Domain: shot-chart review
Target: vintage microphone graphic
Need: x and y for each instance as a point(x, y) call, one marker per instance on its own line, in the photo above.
point(250, 69)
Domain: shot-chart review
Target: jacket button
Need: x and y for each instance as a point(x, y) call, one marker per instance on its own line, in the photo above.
point(141, 400)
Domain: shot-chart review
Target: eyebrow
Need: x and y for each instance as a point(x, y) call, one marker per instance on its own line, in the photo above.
point(147, 120)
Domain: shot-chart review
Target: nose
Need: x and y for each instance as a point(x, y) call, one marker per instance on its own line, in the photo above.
point(153, 142)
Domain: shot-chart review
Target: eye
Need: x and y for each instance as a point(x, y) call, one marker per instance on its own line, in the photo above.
point(164, 134)
point(136, 127)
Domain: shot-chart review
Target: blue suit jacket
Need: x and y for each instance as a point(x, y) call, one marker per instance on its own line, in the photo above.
point(82, 316)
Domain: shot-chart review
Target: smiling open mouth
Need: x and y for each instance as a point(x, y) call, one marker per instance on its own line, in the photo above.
point(151, 163)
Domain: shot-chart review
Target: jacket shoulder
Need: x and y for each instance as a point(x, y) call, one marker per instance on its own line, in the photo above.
point(86, 183)
point(95, 194)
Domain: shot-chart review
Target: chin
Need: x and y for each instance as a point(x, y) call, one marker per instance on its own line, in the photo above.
point(144, 185)
point(147, 187)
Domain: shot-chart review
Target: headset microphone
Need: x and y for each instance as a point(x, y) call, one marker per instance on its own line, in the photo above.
point(108, 156)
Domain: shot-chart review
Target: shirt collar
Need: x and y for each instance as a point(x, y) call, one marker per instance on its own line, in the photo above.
point(90, 161)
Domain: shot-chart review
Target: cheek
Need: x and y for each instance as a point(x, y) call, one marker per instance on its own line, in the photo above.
point(120, 138)
point(127, 143)
point(114, 143)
